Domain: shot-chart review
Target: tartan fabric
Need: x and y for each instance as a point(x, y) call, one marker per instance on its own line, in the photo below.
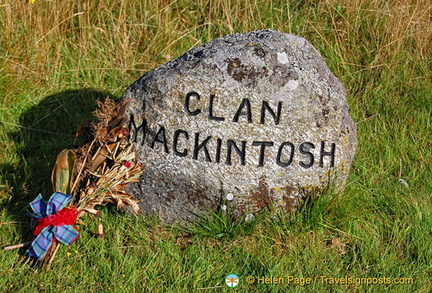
point(66, 234)
point(39, 207)
point(57, 201)
point(65, 216)
point(42, 243)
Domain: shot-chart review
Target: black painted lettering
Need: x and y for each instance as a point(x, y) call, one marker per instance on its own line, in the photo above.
point(135, 130)
point(263, 144)
point(241, 152)
point(203, 145)
point(266, 107)
point(187, 103)
point(160, 137)
point(304, 149)
point(331, 154)
point(248, 113)
point(218, 150)
point(279, 154)
point(176, 140)
point(210, 110)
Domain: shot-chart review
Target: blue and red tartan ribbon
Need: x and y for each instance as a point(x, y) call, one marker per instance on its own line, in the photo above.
point(54, 223)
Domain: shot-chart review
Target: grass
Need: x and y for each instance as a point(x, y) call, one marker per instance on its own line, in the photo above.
point(57, 58)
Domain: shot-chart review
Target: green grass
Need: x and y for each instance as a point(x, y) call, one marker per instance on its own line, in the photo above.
point(57, 58)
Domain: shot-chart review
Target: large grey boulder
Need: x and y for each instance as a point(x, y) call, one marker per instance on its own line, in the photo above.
point(247, 121)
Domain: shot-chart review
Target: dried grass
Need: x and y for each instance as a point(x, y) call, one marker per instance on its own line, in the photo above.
point(104, 166)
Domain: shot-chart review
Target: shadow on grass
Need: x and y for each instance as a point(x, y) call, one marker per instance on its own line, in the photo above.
point(45, 130)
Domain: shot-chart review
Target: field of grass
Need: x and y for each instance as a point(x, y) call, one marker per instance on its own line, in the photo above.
point(58, 57)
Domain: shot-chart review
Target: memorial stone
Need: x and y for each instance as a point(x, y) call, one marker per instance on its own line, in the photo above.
point(247, 121)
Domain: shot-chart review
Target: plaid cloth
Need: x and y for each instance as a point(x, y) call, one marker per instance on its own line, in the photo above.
point(66, 234)
point(56, 202)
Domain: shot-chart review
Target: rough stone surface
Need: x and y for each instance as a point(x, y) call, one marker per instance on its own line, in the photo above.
point(247, 121)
